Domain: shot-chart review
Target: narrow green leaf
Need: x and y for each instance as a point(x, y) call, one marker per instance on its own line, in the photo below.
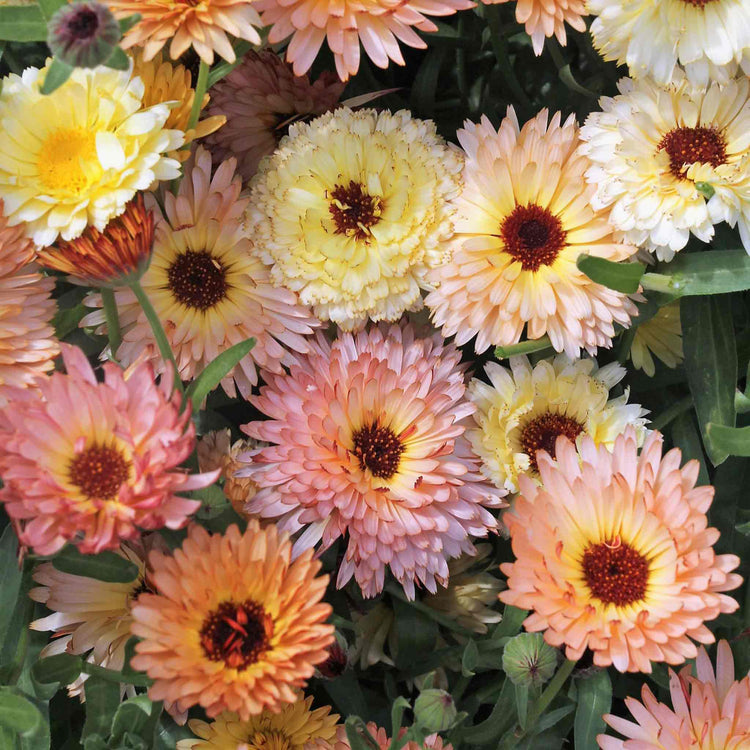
point(713, 272)
point(128, 22)
point(710, 364)
point(60, 668)
point(106, 566)
point(469, 658)
point(50, 7)
point(216, 371)
point(135, 717)
point(102, 700)
point(734, 441)
point(552, 717)
point(594, 700)
point(425, 82)
point(685, 437)
point(415, 633)
point(58, 73)
point(22, 24)
point(10, 583)
point(17, 712)
point(511, 623)
point(622, 277)
point(523, 347)
point(223, 69)
point(501, 719)
point(358, 735)
point(397, 714)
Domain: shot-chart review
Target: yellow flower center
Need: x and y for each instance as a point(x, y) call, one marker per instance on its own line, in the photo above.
point(197, 280)
point(615, 572)
point(378, 450)
point(99, 471)
point(541, 433)
point(269, 740)
point(686, 146)
point(533, 236)
point(354, 211)
point(68, 161)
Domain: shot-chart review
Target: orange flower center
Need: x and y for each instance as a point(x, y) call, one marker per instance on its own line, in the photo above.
point(197, 280)
point(532, 236)
point(237, 633)
point(542, 432)
point(378, 450)
point(354, 211)
point(686, 146)
point(99, 471)
point(615, 572)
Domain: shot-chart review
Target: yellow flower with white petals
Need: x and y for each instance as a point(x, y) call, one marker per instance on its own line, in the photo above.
point(76, 157)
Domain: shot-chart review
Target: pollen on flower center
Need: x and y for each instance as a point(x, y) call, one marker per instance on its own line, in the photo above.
point(541, 433)
point(378, 450)
point(197, 279)
point(68, 160)
point(686, 146)
point(532, 236)
point(354, 211)
point(237, 633)
point(99, 471)
point(615, 572)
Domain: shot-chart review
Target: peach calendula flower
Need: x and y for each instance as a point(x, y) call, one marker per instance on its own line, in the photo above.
point(710, 710)
point(27, 339)
point(524, 217)
point(91, 617)
point(525, 409)
point(113, 257)
point(614, 554)
point(431, 742)
point(208, 287)
point(353, 209)
point(171, 82)
point(94, 463)
point(543, 18)
point(260, 98)
point(84, 151)
point(379, 25)
point(660, 337)
point(183, 23)
point(368, 441)
point(234, 624)
point(295, 727)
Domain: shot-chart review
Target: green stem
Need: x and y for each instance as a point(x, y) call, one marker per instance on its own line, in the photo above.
point(671, 413)
point(156, 327)
point(550, 692)
point(200, 91)
point(113, 321)
point(524, 347)
point(658, 282)
point(138, 680)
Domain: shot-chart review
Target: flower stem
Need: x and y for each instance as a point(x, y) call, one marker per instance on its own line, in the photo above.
point(137, 680)
point(549, 693)
point(156, 327)
point(200, 91)
point(113, 321)
point(500, 48)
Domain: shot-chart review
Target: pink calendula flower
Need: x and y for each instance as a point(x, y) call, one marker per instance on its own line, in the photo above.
point(710, 711)
point(614, 554)
point(368, 440)
point(95, 463)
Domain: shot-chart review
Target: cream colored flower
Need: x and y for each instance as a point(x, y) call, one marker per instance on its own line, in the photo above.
point(661, 337)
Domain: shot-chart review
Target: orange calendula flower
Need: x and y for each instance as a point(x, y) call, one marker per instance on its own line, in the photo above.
point(95, 462)
point(202, 25)
point(709, 711)
point(235, 625)
point(614, 554)
point(113, 257)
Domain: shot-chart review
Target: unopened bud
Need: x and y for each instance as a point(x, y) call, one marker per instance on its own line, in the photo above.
point(434, 710)
point(337, 662)
point(83, 34)
point(529, 660)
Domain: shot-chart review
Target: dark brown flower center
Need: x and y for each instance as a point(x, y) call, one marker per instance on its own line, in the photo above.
point(378, 450)
point(353, 210)
point(197, 279)
point(532, 236)
point(83, 24)
point(237, 633)
point(615, 573)
point(99, 471)
point(686, 146)
point(542, 432)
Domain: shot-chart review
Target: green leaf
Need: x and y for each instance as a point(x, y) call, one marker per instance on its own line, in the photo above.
point(734, 441)
point(694, 274)
point(358, 735)
point(58, 73)
point(66, 320)
point(18, 713)
point(216, 371)
point(622, 277)
point(501, 719)
point(50, 7)
point(223, 69)
point(128, 22)
point(118, 59)
point(511, 623)
point(685, 437)
point(10, 584)
point(137, 716)
point(552, 717)
point(397, 714)
point(469, 658)
point(710, 364)
point(524, 347)
point(22, 24)
point(102, 700)
point(106, 566)
point(415, 633)
point(425, 82)
point(594, 699)
point(60, 668)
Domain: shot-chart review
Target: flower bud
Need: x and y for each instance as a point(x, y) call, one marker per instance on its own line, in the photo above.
point(83, 34)
point(529, 660)
point(337, 662)
point(434, 710)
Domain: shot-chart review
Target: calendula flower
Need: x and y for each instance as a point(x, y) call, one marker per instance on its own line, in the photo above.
point(431, 742)
point(208, 288)
point(368, 441)
point(296, 727)
point(95, 462)
point(171, 82)
point(91, 617)
point(671, 161)
point(543, 19)
point(659, 337)
point(234, 624)
point(183, 23)
point(709, 711)
point(352, 210)
point(524, 217)
point(113, 257)
point(83, 34)
point(470, 594)
point(83, 151)
point(27, 340)
point(525, 409)
point(707, 39)
point(614, 554)
point(379, 25)
point(260, 99)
